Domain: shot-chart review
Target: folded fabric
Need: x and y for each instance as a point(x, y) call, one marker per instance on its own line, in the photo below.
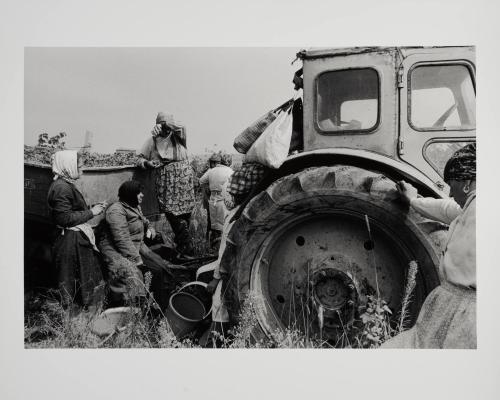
point(245, 178)
point(87, 230)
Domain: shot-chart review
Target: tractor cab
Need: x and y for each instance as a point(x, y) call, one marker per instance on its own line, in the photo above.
point(413, 105)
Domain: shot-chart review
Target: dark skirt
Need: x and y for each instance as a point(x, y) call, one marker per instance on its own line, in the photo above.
point(78, 268)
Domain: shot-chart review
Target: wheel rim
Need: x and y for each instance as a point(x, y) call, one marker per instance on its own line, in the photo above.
point(285, 271)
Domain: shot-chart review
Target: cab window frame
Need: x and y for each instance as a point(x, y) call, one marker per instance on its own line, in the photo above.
point(370, 130)
point(464, 63)
point(466, 140)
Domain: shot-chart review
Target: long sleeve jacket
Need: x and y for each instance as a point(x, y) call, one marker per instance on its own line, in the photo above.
point(124, 232)
point(66, 204)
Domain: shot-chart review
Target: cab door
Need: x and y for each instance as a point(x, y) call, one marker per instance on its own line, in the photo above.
point(437, 106)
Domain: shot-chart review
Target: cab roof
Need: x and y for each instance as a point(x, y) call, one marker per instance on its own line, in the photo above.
point(343, 51)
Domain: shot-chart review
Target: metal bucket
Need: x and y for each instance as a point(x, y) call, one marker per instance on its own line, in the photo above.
point(185, 311)
point(113, 320)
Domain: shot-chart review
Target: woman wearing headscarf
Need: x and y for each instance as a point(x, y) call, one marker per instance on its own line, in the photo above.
point(122, 246)
point(217, 179)
point(74, 252)
point(166, 152)
point(448, 316)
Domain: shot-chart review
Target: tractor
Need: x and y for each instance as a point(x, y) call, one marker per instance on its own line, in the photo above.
point(328, 229)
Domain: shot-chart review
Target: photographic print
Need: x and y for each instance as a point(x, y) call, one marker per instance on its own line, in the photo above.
point(250, 197)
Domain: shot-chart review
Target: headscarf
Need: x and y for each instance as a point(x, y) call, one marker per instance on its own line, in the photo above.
point(168, 119)
point(215, 158)
point(227, 159)
point(164, 117)
point(462, 164)
point(167, 145)
point(128, 191)
point(65, 165)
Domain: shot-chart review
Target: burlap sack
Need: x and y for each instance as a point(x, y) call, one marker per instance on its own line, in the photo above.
point(447, 320)
point(245, 139)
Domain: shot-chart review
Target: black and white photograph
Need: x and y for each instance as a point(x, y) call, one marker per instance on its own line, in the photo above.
point(341, 217)
point(249, 200)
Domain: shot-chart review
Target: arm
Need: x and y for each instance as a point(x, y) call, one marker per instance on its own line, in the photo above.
point(204, 178)
point(225, 258)
point(180, 134)
point(442, 210)
point(61, 200)
point(118, 226)
point(149, 229)
point(145, 153)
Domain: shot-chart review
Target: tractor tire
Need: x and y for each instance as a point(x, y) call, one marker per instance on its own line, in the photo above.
point(340, 222)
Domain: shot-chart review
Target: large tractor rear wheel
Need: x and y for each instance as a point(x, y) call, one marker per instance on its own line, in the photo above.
point(315, 244)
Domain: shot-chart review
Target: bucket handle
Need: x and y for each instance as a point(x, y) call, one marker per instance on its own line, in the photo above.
point(196, 283)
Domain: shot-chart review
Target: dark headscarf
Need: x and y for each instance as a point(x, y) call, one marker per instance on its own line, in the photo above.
point(128, 192)
point(462, 164)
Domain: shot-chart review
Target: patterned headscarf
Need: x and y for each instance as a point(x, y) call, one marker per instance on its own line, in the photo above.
point(462, 164)
point(65, 165)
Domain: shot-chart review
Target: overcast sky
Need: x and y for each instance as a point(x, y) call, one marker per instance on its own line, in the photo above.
point(116, 92)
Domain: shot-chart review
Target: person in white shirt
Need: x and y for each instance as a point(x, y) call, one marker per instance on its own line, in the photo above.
point(217, 179)
point(448, 316)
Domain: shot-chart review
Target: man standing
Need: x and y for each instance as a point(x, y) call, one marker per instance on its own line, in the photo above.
point(166, 152)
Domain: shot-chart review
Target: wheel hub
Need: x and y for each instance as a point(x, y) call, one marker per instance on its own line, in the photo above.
point(332, 289)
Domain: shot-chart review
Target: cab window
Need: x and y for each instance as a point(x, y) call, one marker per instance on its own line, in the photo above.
point(438, 153)
point(347, 100)
point(442, 97)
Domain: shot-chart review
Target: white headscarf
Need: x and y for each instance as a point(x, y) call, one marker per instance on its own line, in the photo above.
point(65, 165)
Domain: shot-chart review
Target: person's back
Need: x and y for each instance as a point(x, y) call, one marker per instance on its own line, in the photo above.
point(218, 177)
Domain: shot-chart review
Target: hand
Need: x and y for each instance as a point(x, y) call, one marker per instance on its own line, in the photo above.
point(98, 208)
point(151, 233)
point(152, 164)
point(156, 130)
point(212, 285)
point(407, 191)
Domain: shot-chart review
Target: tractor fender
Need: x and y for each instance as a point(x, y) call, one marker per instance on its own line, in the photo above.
point(392, 168)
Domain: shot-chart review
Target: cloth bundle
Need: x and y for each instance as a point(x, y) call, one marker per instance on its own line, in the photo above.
point(245, 139)
point(245, 178)
point(271, 148)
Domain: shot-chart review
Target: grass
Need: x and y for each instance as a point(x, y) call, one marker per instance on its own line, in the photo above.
point(52, 326)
